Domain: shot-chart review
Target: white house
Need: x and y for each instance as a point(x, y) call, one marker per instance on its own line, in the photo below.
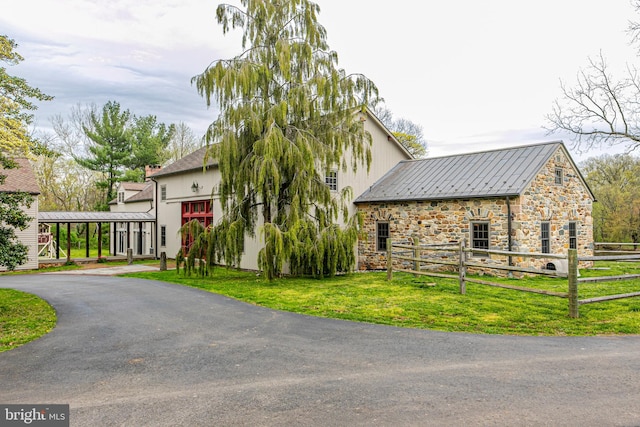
point(134, 197)
point(185, 190)
point(23, 179)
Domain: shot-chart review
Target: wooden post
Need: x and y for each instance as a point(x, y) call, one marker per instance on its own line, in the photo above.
point(57, 240)
point(129, 256)
point(163, 261)
point(99, 240)
point(463, 267)
point(416, 254)
point(573, 284)
point(389, 261)
point(68, 242)
point(86, 234)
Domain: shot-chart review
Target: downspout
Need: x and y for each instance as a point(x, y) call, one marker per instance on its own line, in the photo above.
point(509, 228)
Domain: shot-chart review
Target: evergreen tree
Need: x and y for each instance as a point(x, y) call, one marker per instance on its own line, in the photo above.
point(111, 148)
point(149, 143)
point(15, 95)
point(288, 115)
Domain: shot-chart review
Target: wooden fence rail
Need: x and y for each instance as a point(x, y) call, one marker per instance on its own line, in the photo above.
point(460, 251)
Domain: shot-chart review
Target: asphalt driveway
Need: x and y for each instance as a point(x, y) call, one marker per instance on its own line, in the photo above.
point(135, 352)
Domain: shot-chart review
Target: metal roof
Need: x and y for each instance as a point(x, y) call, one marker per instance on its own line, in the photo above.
point(77, 217)
point(496, 173)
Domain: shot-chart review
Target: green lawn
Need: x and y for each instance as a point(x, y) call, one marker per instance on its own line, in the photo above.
point(23, 318)
point(410, 302)
point(406, 301)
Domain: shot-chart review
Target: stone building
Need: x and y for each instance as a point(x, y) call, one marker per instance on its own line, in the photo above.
point(525, 199)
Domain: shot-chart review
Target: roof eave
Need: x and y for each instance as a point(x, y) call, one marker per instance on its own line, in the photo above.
point(437, 199)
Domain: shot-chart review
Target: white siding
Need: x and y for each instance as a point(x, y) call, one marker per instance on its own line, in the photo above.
point(29, 237)
point(385, 154)
point(179, 190)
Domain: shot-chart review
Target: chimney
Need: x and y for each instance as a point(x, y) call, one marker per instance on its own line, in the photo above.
point(150, 170)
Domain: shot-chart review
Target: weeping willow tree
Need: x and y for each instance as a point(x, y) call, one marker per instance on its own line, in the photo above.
point(200, 256)
point(288, 115)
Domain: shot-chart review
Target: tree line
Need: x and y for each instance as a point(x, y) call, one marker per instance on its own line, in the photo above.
point(94, 148)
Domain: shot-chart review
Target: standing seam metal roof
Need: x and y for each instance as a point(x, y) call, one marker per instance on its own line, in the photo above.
point(496, 173)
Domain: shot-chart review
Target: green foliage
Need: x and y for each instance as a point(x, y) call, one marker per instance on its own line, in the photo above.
point(111, 148)
point(615, 181)
point(200, 257)
point(149, 143)
point(288, 115)
point(15, 102)
point(122, 145)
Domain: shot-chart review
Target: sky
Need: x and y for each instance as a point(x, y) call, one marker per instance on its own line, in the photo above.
point(475, 74)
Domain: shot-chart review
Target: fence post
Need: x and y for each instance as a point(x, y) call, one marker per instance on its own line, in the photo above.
point(163, 261)
point(573, 284)
point(416, 254)
point(389, 261)
point(463, 267)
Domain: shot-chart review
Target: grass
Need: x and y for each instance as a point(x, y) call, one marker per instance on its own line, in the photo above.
point(23, 318)
point(410, 302)
point(406, 301)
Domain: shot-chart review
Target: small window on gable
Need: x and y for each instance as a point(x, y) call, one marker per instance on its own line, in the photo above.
point(331, 179)
point(382, 234)
point(163, 192)
point(559, 176)
point(121, 197)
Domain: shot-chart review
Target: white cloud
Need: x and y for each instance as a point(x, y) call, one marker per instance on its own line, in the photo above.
point(472, 73)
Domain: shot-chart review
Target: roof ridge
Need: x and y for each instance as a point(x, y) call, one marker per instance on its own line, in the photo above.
point(494, 150)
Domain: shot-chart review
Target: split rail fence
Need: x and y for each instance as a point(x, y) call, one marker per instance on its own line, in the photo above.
point(456, 257)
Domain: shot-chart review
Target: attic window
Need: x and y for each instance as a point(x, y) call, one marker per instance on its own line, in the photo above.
point(121, 197)
point(559, 176)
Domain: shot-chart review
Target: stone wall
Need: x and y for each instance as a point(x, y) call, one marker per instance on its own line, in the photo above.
point(445, 221)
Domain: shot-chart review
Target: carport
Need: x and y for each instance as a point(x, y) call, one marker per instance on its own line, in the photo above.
point(131, 219)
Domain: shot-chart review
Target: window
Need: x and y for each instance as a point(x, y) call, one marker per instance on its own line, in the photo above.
point(544, 238)
point(331, 179)
point(201, 210)
point(480, 235)
point(559, 176)
point(573, 236)
point(163, 192)
point(163, 235)
point(382, 234)
point(121, 197)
